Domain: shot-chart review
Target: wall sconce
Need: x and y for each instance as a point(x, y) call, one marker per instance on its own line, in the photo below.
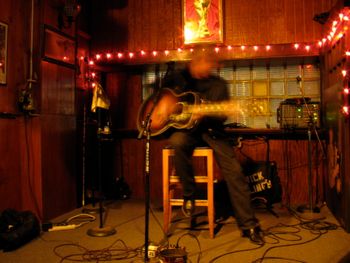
point(68, 13)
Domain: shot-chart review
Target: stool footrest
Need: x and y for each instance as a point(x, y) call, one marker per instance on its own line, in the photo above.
point(171, 180)
point(198, 179)
point(179, 202)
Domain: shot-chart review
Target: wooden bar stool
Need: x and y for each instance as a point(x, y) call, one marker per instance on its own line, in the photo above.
point(170, 180)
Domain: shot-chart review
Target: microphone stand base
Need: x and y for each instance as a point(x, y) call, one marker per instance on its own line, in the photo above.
point(308, 213)
point(150, 260)
point(91, 210)
point(101, 231)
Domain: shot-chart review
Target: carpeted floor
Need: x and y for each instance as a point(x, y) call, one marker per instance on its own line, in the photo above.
point(290, 237)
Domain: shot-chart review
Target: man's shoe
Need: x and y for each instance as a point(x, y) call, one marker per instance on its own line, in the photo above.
point(188, 207)
point(255, 235)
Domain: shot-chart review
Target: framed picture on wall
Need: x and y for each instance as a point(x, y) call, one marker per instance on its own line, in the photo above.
point(59, 48)
point(3, 52)
point(202, 21)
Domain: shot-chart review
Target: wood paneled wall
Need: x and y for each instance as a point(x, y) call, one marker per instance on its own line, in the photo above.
point(38, 172)
point(19, 186)
point(157, 25)
point(338, 153)
point(58, 139)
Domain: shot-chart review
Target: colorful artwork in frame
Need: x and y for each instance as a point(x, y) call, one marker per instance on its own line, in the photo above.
point(3, 52)
point(202, 21)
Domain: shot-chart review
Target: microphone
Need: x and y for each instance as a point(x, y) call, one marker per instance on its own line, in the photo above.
point(298, 78)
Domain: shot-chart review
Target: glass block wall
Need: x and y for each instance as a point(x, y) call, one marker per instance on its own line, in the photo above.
point(267, 87)
point(258, 90)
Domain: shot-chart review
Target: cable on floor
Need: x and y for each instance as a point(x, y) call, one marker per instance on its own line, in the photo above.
point(234, 252)
point(288, 233)
point(70, 223)
point(197, 240)
point(106, 254)
point(317, 227)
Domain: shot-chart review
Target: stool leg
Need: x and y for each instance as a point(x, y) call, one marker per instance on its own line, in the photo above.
point(210, 190)
point(166, 201)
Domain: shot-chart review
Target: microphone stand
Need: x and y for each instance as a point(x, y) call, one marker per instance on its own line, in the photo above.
point(311, 126)
point(102, 230)
point(147, 131)
point(93, 209)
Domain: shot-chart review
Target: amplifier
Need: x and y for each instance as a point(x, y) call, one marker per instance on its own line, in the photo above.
point(294, 114)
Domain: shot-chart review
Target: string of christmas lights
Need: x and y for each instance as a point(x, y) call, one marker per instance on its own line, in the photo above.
point(345, 94)
point(338, 29)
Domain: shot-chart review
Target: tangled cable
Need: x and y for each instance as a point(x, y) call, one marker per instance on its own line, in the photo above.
point(99, 255)
point(289, 233)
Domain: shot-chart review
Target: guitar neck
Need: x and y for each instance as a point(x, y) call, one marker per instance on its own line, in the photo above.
point(213, 108)
point(227, 108)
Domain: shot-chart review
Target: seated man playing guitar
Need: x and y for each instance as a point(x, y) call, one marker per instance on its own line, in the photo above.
point(197, 78)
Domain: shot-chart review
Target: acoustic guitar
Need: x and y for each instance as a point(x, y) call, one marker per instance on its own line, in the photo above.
point(184, 110)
